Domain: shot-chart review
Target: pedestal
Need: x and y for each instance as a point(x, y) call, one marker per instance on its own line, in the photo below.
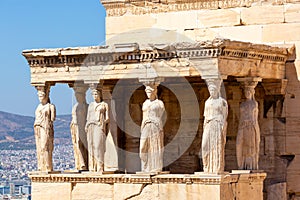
point(157, 187)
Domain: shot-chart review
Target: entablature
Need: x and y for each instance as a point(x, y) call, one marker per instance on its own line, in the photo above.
point(123, 61)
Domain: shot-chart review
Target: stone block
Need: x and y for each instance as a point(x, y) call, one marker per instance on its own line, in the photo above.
point(173, 191)
point(291, 13)
point(293, 144)
point(148, 192)
point(211, 192)
point(293, 182)
point(292, 74)
point(149, 35)
point(292, 107)
point(281, 32)
point(251, 33)
point(200, 34)
point(292, 124)
point(124, 191)
point(246, 188)
point(192, 191)
point(267, 14)
point(118, 25)
point(50, 191)
point(180, 20)
point(218, 18)
point(92, 191)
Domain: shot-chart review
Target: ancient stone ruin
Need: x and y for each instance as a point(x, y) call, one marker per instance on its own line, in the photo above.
point(191, 100)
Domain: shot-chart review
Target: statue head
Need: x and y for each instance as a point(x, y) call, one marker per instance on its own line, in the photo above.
point(43, 94)
point(214, 87)
point(151, 91)
point(249, 89)
point(249, 92)
point(80, 94)
point(96, 95)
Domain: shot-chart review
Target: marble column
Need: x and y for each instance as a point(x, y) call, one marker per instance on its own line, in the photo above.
point(214, 129)
point(79, 137)
point(152, 134)
point(248, 136)
point(45, 115)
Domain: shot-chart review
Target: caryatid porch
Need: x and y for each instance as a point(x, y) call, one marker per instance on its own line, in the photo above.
point(181, 69)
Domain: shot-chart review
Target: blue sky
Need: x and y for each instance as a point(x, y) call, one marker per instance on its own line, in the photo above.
point(35, 24)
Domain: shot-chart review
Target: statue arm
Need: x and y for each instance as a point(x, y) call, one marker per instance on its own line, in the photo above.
point(163, 114)
point(225, 114)
point(87, 118)
point(106, 113)
point(205, 114)
point(53, 112)
point(224, 111)
point(256, 126)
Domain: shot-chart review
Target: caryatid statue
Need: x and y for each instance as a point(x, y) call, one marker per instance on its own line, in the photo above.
point(248, 137)
point(152, 134)
point(43, 129)
point(79, 138)
point(214, 129)
point(96, 129)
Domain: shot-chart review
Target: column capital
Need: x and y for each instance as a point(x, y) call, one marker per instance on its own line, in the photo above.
point(44, 88)
point(249, 81)
point(79, 87)
point(155, 81)
point(96, 85)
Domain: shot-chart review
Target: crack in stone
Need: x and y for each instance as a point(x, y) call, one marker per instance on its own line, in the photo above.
point(141, 190)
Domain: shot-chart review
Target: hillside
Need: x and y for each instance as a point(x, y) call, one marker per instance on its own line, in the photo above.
point(16, 131)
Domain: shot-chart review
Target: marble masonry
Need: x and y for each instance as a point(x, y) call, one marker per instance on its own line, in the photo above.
point(191, 100)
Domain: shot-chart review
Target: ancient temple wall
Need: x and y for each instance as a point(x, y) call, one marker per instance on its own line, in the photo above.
point(275, 23)
point(268, 22)
point(291, 149)
point(256, 23)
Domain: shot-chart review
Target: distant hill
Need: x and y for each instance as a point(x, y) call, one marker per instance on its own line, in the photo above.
point(16, 131)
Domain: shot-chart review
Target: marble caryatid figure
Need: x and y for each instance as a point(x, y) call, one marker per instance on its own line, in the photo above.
point(248, 137)
point(79, 114)
point(152, 135)
point(96, 129)
point(214, 133)
point(43, 129)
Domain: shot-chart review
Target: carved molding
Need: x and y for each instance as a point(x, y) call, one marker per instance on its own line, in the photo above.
point(119, 8)
point(140, 179)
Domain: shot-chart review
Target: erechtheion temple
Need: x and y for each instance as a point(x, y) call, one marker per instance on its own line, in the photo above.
point(193, 99)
